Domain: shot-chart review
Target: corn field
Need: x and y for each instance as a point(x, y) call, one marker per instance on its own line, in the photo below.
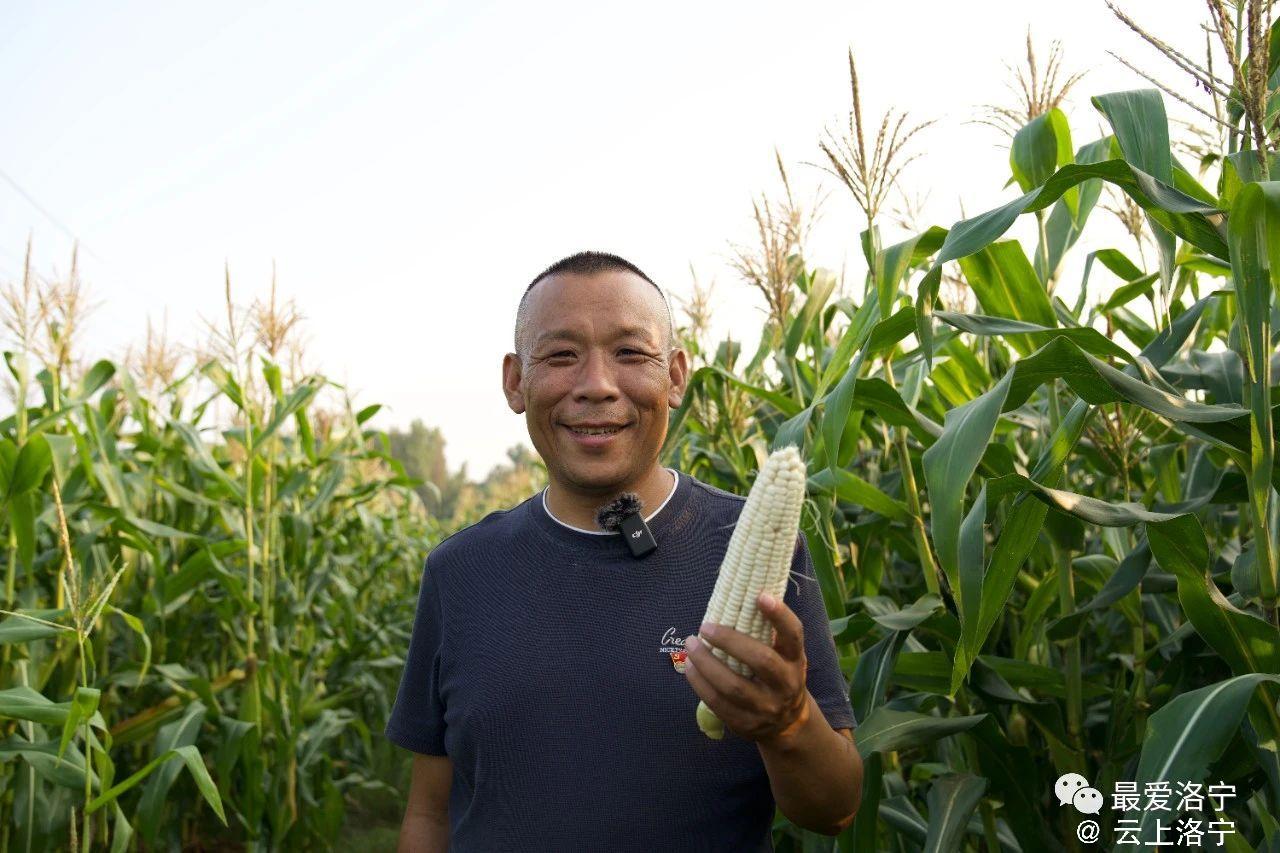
point(207, 576)
point(1043, 514)
point(1045, 528)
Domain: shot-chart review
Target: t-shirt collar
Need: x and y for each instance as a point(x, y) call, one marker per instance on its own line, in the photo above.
point(675, 486)
point(664, 519)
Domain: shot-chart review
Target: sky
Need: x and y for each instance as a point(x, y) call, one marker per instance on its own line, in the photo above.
point(408, 168)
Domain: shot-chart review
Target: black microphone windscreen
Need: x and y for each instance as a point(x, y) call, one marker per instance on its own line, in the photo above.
point(610, 516)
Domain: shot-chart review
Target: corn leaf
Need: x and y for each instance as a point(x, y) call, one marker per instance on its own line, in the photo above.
point(888, 730)
point(951, 800)
point(1190, 732)
point(1254, 237)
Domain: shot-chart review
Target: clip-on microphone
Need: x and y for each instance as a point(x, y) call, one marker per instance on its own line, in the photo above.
point(623, 515)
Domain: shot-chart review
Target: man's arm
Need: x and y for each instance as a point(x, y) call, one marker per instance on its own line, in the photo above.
point(815, 772)
point(426, 816)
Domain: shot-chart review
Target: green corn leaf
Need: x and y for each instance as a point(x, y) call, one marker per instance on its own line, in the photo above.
point(871, 676)
point(1128, 292)
point(23, 626)
point(1039, 148)
point(862, 835)
point(218, 374)
point(135, 624)
point(951, 800)
point(1190, 732)
point(82, 707)
point(1011, 770)
point(1254, 238)
point(837, 405)
point(230, 748)
point(1066, 222)
point(792, 430)
point(1083, 507)
point(824, 570)
point(824, 283)
point(1138, 120)
point(171, 737)
point(1088, 339)
point(190, 757)
point(781, 402)
point(8, 459)
point(893, 263)
point(1006, 286)
point(889, 331)
point(876, 665)
point(921, 610)
point(850, 342)
point(1142, 132)
point(1187, 217)
point(887, 730)
point(1118, 262)
point(949, 464)
point(1018, 537)
point(97, 376)
point(121, 831)
point(43, 757)
point(23, 703)
point(30, 466)
point(297, 399)
point(851, 488)
point(1124, 580)
point(1246, 643)
point(202, 460)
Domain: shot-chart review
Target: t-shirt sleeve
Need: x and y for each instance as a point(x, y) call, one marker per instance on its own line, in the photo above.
point(417, 717)
point(825, 681)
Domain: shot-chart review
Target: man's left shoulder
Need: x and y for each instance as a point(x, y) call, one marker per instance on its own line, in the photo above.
point(724, 505)
point(715, 496)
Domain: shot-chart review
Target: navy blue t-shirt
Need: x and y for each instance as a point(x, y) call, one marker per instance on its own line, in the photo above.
point(543, 663)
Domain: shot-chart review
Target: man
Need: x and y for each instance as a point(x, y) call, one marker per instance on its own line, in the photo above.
point(550, 691)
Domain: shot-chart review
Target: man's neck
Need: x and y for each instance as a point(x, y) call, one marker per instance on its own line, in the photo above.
point(579, 510)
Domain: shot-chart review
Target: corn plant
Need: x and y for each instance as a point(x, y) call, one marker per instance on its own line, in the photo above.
point(1045, 528)
point(209, 577)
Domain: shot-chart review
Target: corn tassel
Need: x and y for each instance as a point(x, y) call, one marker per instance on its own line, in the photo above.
point(758, 560)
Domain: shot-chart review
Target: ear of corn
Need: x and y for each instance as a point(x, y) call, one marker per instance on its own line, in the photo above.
point(757, 560)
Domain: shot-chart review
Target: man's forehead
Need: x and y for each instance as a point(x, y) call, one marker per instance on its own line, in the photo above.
point(562, 331)
point(613, 286)
point(625, 306)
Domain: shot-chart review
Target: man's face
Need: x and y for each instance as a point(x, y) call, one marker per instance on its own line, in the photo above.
point(596, 357)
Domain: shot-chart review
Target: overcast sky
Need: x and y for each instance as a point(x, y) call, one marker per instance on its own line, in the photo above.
point(411, 167)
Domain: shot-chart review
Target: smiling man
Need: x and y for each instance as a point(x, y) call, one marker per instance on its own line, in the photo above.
point(552, 677)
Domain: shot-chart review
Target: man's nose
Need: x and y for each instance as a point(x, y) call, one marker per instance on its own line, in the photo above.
point(595, 379)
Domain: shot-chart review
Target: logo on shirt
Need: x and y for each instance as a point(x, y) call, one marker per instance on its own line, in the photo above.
point(674, 646)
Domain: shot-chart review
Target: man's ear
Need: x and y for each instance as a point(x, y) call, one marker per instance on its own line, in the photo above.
point(511, 376)
point(679, 374)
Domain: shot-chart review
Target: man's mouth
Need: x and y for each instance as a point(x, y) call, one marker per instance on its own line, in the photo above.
point(594, 435)
point(610, 430)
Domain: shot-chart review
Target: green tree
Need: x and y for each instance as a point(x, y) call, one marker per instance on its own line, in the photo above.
point(421, 450)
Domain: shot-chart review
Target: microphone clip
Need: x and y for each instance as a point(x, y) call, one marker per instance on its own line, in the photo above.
point(622, 515)
point(637, 535)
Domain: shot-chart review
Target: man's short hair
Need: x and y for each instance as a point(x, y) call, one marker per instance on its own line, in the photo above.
point(586, 263)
